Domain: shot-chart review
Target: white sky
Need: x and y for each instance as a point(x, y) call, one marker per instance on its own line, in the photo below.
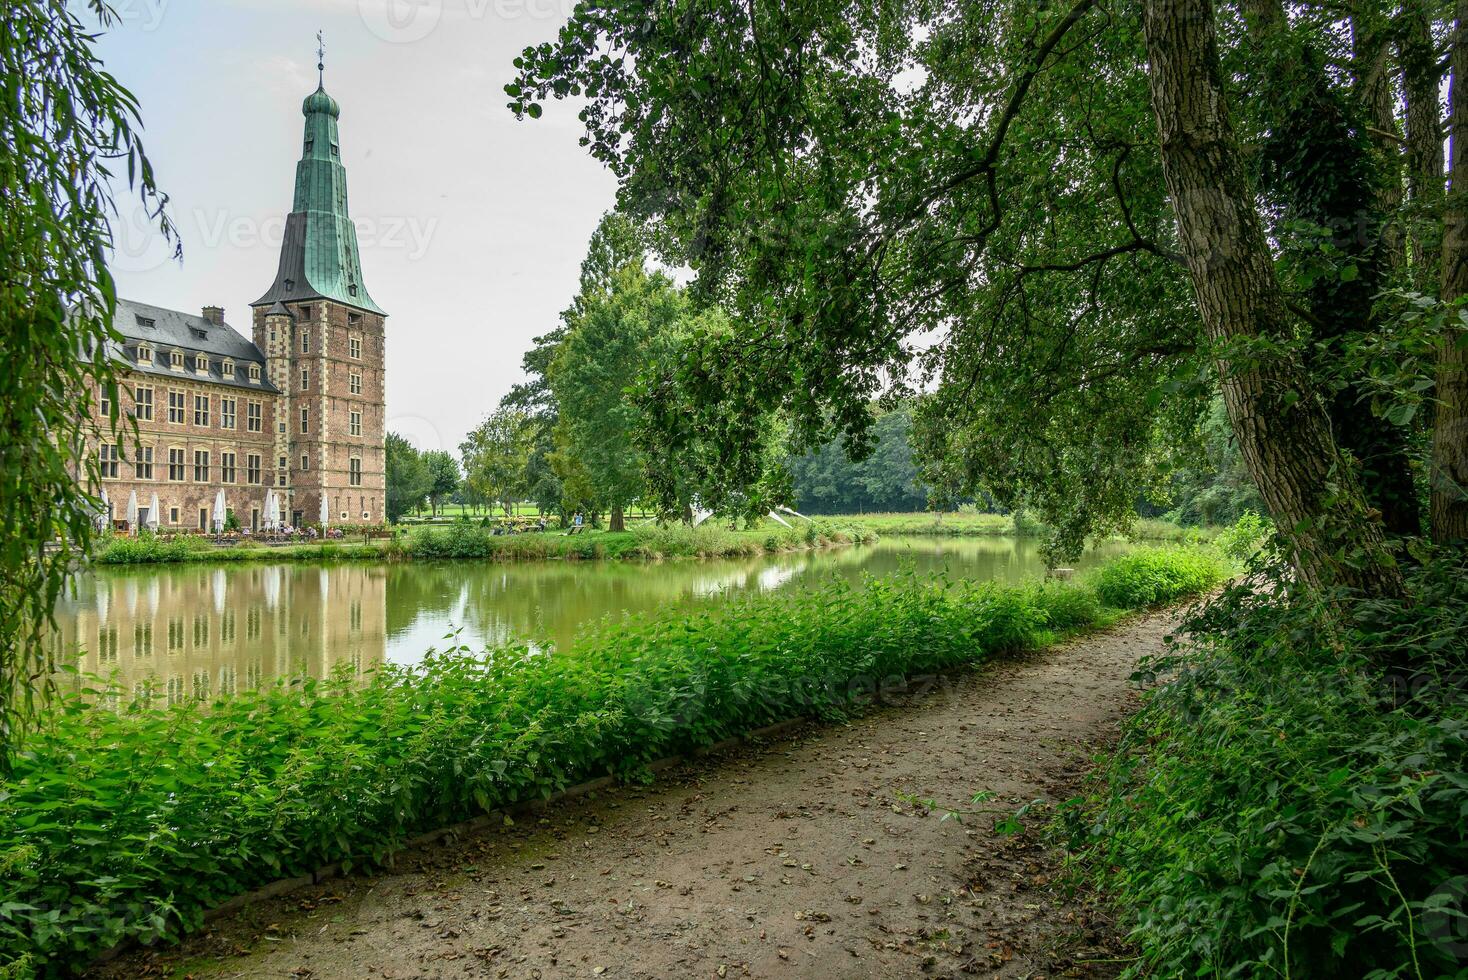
point(472, 225)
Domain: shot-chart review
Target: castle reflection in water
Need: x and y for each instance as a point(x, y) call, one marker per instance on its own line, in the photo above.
point(202, 632)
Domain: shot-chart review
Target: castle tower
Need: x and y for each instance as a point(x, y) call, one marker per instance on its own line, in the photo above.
point(324, 344)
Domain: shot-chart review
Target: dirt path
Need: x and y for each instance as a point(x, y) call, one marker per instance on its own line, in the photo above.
point(795, 858)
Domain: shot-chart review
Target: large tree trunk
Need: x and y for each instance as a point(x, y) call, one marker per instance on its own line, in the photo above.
point(617, 522)
point(1281, 427)
point(1450, 426)
point(1421, 78)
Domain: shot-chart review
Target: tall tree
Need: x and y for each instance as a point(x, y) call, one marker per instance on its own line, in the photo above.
point(68, 129)
point(497, 456)
point(407, 478)
point(1450, 434)
point(608, 347)
point(443, 477)
point(849, 176)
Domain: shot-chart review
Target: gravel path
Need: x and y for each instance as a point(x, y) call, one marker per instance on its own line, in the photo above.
point(793, 858)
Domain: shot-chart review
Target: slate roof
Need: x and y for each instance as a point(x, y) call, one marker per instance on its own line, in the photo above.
point(169, 330)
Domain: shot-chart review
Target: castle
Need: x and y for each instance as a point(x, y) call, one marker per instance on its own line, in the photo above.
point(296, 411)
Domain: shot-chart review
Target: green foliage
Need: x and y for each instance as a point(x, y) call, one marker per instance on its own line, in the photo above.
point(1151, 576)
point(442, 472)
point(497, 456)
point(1242, 541)
point(1281, 808)
point(130, 823)
point(1212, 486)
point(710, 540)
point(828, 481)
point(69, 132)
point(408, 479)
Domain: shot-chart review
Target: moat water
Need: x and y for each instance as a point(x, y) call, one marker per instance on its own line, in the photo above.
point(200, 630)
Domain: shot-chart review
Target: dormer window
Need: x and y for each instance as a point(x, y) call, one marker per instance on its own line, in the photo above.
point(199, 334)
point(335, 150)
point(201, 363)
point(145, 354)
point(352, 288)
point(354, 318)
point(306, 312)
point(144, 321)
point(310, 143)
point(255, 373)
point(227, 369)
point(176, 360)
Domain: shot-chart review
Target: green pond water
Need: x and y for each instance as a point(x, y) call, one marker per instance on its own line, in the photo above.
point(197, 630)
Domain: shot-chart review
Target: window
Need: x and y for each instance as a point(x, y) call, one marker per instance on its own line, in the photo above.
point(201, 363)
point(252, 416)
point(283, 462)
point(305, 461)
point(226, 467)
point(227, 369)
point(173, 514)
point(199, 334)
point(355, 424)
point(175, 472)
point(175, 634)
point(335, 150)
point(176, 407)
point(280, 426)
point(143, 640)
point(144, 321)
point(107, 457)
point(354, 383)
point(354, 318)
point(305, 313)
point(203, 518)
point(305, 420)
point(201, 409)
point(354, 471)
point(145, 354)
point(143, 468)
point(143, 403)
point(201, 466)
point(354, 347)
point(226, 413)
point(305, 341)
point(255, 373)
point(305, 379)
point(201, 632)
point(108, 396)
point(175, 360)
point(252, 468)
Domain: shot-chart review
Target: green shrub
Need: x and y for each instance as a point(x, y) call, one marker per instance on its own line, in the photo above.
point(1242, 540)
point(1150, 576)
point(1283, 807)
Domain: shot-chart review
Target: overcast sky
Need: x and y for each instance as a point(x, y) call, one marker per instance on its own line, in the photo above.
point(472, 224)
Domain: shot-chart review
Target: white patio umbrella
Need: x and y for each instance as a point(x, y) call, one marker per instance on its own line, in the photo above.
point(272, 511)
point(219, 511)
point(153, 513)
point(324, 514)
point(132, 510)
point(104, 518)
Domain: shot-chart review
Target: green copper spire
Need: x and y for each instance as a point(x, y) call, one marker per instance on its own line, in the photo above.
point(319, 257)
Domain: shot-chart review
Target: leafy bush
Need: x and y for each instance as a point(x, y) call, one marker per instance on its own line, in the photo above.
point(1153, 575)
point(1242, 540)
point(132, 823)
point(1283, 807)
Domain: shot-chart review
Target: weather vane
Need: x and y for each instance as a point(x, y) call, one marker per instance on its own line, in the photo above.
point(320, 59)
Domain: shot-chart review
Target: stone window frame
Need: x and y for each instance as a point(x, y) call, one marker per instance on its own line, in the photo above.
point(226, 368)
point(254, 374)
point(254, 468)
point(143, 465)
point(143, 407)
point(175, 360)
point(254, 416)
point(201, 363)
point(354, 471)
point(145, 353)
point(201, 466)
point(228, 413)
point(354, 348)
point(228, 466)
point(177, 464)
point(354, 423)
point(109, 460)
point(201, 410)
point(305, 420)
point(354, 383)
point(305, 379)
point(180, 407)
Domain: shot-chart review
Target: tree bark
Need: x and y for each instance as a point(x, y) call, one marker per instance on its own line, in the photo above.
point(1281, 427)
point(1449, 494)
point(617, 522)
point(1421, 78)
